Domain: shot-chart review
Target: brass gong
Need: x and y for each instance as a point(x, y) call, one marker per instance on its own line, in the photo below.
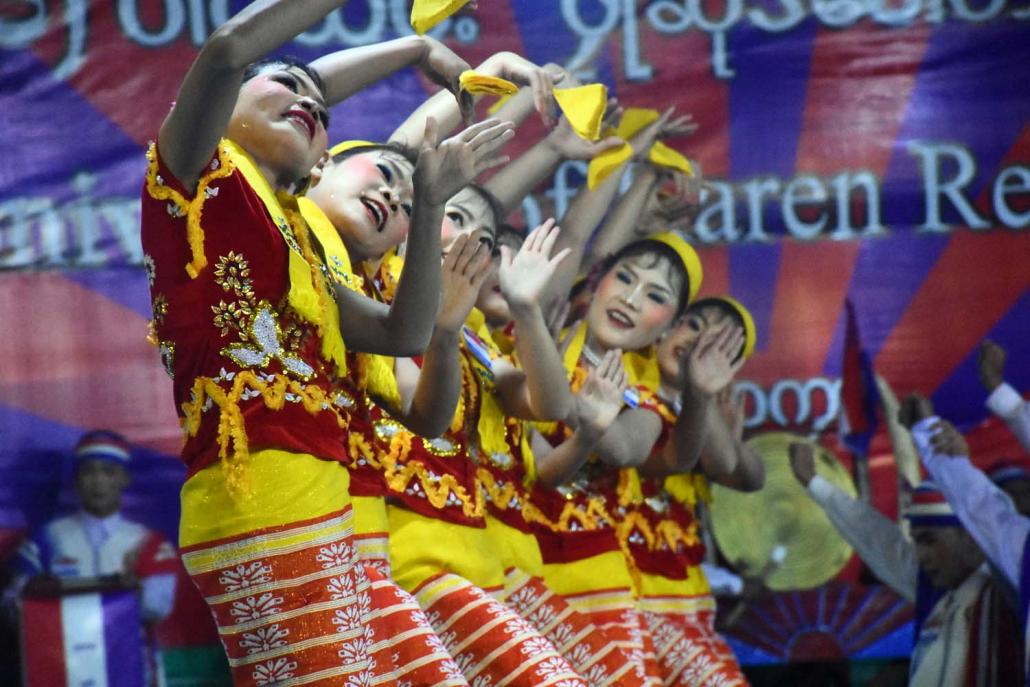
point(748, 527)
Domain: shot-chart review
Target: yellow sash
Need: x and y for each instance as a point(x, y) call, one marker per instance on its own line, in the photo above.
point(307, 295)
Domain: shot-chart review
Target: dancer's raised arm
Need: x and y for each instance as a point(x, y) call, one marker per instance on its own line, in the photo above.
point(518, 179)
point(446, 112)
point(589, 207)
point(209, 93)
point(346, 72)
point(430, 393)
point(538, 390)
point(597, 406)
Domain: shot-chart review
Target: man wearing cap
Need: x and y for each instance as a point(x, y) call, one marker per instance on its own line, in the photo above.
point(96, 541)
point(985, 510)
point(1013, 478)
point(960, 608)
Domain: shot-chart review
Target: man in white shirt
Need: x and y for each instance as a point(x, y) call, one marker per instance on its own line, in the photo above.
point(1013, 478)
point(987, 512)
point(960, 609)
point(96, 542)
point(1003, 400)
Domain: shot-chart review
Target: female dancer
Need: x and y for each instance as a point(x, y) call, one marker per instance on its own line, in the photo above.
point(255, 334)
point(660, 526)
point(640, 292)
point(436, 544)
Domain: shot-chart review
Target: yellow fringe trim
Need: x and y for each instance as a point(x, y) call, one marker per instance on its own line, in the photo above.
point(623, 529)
point(629, 490)
point(668, 535)
point(191, 209)
point(500, 495)
point(233, 447)
point(591, 519)
point(437, 488)
point(328, 324)
point(398, 473)
point(672, 535)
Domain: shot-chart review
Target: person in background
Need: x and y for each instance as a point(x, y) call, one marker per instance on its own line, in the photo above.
point(986, 511)
point(1013, 478)
point(97, 541)
point(1004, 401)
point(966, 634)
point(96, 547)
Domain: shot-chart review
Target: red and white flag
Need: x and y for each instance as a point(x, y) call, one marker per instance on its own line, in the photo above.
point(83, 640)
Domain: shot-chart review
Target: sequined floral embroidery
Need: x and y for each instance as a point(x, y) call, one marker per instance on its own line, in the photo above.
point(233, 273)
point(232, 316)
point(267, 339)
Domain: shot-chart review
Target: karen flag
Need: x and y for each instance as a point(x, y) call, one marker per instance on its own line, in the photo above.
point(858, 391)
point(83, 640)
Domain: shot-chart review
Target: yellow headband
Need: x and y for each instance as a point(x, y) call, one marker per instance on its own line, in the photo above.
point(425, 14)
point(347, 145)
point(750, 332)
point(691, 262)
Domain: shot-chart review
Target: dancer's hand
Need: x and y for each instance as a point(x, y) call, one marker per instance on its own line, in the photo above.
point(465, 267)
point(600, 400)
point(445, 168)
point(520, 71)
point(709, 366)
point(524, 275)
point(571, 146)
point(666, 126)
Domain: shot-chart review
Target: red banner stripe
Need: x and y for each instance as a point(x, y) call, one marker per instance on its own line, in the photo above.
point(43, 643)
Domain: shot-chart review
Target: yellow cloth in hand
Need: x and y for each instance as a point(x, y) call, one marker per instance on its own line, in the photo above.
point(634, 119)
point(602, 166)
point(584, 107)
point(425, 14)
point(665, 156)
point(476, 84)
